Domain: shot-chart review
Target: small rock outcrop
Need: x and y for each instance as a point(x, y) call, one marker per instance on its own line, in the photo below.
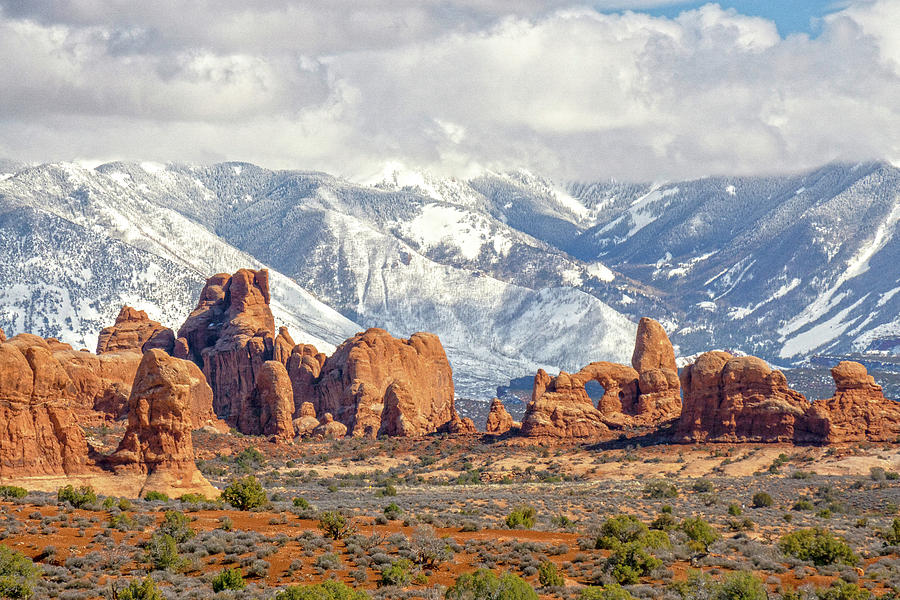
point(376, 384)
point(230, 335)
point(499, 420)
point(329, 428)
point(857, 412)
point(157, 444)
point(134, 330)
point(645, 394)
point(304, 366)
point(306, 422)
point(739, 399)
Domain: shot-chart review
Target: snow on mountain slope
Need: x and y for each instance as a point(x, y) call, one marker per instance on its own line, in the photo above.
point(784, 267)
point(103, 208)
point(394, 258)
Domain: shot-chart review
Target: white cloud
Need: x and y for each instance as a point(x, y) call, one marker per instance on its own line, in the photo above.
point(345, 86)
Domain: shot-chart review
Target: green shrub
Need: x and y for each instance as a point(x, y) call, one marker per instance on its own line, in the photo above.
point(486, 585)
point(10, 492)
point(162, 552)
point(398, 573)
point(301, 503)
point(122, 522)
point(762, 500)
point(549, 575)
point(629, 562)
point(156, 496)
point(657, 540)
point(18, 574)
point(521, 517)
point(612, 591)
point(392, 511)
point(249, 459)
point(77, 497)
point(664, 522)
point(699, 532)
point(228, 579)
point(842, 590)
point(178, 525)
point(192, 498)
point(328, 590)
point(387, 490)
point(659, 488)
point(702, 486)
point(144, 589)
point(740, 585)
point(803, 505)
point(620, 529)
point(735, 510)
point(817, 545)
point(335, 525)
point(892, 536)
point(245, 493)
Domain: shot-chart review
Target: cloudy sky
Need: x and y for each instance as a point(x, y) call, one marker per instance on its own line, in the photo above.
point(640, 89)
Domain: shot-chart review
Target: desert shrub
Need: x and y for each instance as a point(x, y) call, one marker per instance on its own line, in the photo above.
point(335, 525)
point(521, 517)
point(144, 589)
point(226, 523)
point(817, 545)
point(77, 497)
point(328, 561)
point(735, 510)
point(842, 590)
point(387, 490)
point(155, 496)
point(192, 498)
point(657, 540)
point(549, 575)
point(613, 591)
point(877, 474)
point(699, 532)
point(11, 492)
point(620, 529)
point(664, 522)
point(18, 574)
point(162, 552)
point(301, 503)
point(762, 500)
point(245, 493)
point(658, 489)
point(392, 511)
point(328, 590)
point(486, 585)
point(398, 573)
point(629, 562)
point(803, 505)
point(702, 486)
point(892, 536)
point(228, 579)
point(178, 525)
point(249, 459)
point(428, 549)
point(740, 586)
point(122, 522)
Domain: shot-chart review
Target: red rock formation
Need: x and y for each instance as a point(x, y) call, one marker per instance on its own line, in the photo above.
point(40, 434)
point(377, 384)
point(306, 422)
point(135, 331)
point(659, 389)
point(739, 399)
point(157, 444)
point(2, 335)
point(284, 346)
point(459, 426)
point(230, 335)
point(645, 394)
point(499, 420)
point(275, 400)
point(858, 411)
point(329, 428)
point(304, 366)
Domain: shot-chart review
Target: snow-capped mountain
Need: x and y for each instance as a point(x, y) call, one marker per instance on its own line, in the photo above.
point(783, 267)
point(501, 301)
point(512, 271)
